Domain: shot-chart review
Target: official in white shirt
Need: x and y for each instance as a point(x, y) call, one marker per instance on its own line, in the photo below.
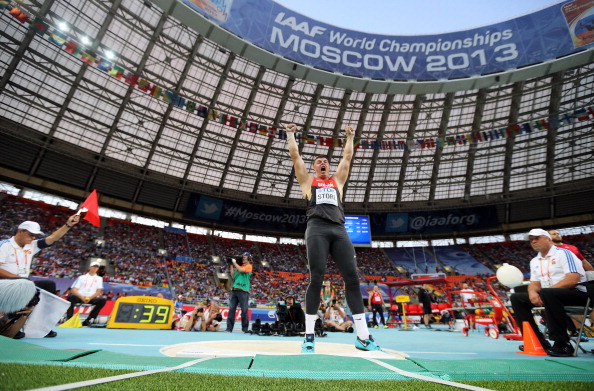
point(554, 275)
point(17, 253)
point(87, 289)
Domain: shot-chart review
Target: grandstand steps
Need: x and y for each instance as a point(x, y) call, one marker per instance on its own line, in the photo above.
point(161, 238)
point(433, 255)
point(109, 269)
point(211, 245)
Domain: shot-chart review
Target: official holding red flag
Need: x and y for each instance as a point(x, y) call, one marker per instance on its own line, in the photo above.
point(16, 253)
point(89, 210)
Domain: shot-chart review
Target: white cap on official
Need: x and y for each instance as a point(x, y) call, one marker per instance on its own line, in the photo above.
point(537, 232)
point(32, 227)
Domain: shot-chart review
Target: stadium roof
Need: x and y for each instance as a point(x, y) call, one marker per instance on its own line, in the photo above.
point(186, 106)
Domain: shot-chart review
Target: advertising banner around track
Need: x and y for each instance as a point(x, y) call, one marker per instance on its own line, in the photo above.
point(245, 215)
point(452, 220)
point(284, 220)
point(553, 32)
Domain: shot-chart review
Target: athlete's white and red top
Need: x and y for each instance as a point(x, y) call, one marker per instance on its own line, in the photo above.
point(376, 298)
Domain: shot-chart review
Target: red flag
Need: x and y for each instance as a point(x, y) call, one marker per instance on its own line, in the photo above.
point(92, 206)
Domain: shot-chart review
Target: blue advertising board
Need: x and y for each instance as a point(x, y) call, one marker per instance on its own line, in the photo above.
point(439, 221)
point(553, 32)
point(360, 228)
point(245, 215)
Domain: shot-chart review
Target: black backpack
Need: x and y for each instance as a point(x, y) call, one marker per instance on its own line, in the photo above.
point(257, 326)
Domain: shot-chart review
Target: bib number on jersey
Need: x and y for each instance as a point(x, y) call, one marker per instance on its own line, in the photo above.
point(326, 196)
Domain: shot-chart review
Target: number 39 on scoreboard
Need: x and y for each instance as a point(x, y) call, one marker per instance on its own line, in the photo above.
point(141, 312)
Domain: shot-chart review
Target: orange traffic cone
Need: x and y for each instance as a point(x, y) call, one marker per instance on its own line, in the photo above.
point(532, 345)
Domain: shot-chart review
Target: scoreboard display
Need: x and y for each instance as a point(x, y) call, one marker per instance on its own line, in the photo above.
point(358, 229)
point(141, 312)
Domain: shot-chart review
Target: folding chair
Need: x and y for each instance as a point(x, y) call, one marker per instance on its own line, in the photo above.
point(574, 311)
point(579, 314)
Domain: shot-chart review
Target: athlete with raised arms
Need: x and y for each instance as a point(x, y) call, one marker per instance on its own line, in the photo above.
point(326, 235)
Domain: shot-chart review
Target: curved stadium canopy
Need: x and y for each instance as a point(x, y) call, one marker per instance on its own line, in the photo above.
point(185, 120)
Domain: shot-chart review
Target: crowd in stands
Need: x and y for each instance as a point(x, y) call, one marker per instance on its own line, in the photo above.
point(374, 262)
point(132, 255)
point(132, 250)
point(200, 247)
point(284, 258)
point(224, 247)
point(176, 245)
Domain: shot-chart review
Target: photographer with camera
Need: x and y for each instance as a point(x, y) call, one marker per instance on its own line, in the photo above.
point(213, 318)
point(335, 318)
point(240, 293)
point(327, 294)
point(296, 314)
point(192, 321)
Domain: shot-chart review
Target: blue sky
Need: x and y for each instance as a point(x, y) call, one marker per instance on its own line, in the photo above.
point(396, 17)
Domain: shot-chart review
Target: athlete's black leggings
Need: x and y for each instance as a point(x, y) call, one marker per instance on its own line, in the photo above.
point(323, 237)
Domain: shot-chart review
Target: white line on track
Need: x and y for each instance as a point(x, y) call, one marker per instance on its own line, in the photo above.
point(88, 383)
point(438, 353)
point(427, 378)
point(120, 344)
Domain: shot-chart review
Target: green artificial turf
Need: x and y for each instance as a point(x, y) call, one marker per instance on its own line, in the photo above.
point(30, 376)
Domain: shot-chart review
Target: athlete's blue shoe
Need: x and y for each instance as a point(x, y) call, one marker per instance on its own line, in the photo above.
point(367, 344)
point(308, 344)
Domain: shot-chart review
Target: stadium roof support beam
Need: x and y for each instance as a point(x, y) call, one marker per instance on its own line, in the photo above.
point(74, 87)
point(279, 113)
point(380, 135)
point(476, 124)
point(244, 114)
point(166, 115)
point(358, 131)
point(414, 118)
point(516, 98)
point(12, 67)
point(441, 132)
point(554, 104)
point(338, 124)
point(213, 103)
point(306, 125)
point(20, 52)
point(128, 96)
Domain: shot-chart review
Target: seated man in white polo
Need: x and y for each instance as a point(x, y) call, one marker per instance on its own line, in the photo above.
point(87, 289)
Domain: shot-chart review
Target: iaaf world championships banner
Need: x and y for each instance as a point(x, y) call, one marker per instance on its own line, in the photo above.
point(553, 32)
point(281, 220)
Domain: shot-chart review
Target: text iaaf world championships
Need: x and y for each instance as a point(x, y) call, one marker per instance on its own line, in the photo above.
point(435, 63)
